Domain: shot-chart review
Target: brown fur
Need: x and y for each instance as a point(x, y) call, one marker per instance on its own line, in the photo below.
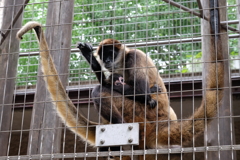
point(143, 68)
point(64, 106)
point(173, 132)
point(152, 120)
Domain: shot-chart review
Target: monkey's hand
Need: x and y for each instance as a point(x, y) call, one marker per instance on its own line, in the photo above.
point(85, 48)
point(155, 89)
point(152, 103)
point(119, 82)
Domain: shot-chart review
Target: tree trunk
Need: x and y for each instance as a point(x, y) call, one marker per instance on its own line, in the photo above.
point(45, 136)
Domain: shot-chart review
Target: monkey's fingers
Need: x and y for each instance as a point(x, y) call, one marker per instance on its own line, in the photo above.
point(89, 46)
point(85, 47)
point(155, 89)
point(80, 45)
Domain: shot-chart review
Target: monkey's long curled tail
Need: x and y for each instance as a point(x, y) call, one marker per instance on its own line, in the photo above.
point(64, 106)
point(212, 98)
point(184, 131)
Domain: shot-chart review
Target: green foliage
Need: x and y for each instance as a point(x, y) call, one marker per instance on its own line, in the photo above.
point(199, 55)
point(129, 22)
point(27, 70)
point(36, 10)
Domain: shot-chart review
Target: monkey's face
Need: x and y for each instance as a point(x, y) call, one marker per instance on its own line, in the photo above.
point(108, 55)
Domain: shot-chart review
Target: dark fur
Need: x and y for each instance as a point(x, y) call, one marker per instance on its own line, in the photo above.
point(108, 112)
point(117, 59)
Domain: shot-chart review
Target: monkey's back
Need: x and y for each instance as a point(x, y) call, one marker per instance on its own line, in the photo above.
point(142, 66)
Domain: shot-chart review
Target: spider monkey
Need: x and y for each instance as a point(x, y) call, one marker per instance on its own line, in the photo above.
point(139, 70)
point(116, 82)
point(125, 89)
point(155, 129)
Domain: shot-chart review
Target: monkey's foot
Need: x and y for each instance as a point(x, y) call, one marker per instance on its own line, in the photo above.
point(152, 103)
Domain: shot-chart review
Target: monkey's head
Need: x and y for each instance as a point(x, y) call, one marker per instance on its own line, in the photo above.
point(110, 53)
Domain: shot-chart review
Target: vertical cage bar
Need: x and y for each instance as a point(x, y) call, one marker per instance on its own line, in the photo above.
point(8, 59)
point(238, 16)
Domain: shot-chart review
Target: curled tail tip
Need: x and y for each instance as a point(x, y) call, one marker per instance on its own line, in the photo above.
point(28, 26)
point(19, 35)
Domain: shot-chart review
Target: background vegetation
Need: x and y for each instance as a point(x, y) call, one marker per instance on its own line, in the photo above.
point(129, 22)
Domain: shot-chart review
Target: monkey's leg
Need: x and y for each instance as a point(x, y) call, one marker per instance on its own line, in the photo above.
point(102, 101)
point(102, 98)
point(87, 52)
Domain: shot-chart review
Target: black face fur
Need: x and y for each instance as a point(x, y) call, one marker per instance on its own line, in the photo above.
point(108, 55)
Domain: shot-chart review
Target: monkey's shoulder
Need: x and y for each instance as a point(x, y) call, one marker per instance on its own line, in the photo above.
point(136, 57)
point(136, 52)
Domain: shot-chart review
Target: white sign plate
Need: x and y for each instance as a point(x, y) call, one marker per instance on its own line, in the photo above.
point(117, 134)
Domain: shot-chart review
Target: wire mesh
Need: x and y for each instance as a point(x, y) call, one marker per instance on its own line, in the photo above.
point(170, 35)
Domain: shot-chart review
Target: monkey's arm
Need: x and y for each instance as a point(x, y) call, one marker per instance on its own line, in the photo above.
point(136, 93)
point(87, 52)
point(120, 81)
point(63, 105)
point(106, 111)
point(137, 86)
